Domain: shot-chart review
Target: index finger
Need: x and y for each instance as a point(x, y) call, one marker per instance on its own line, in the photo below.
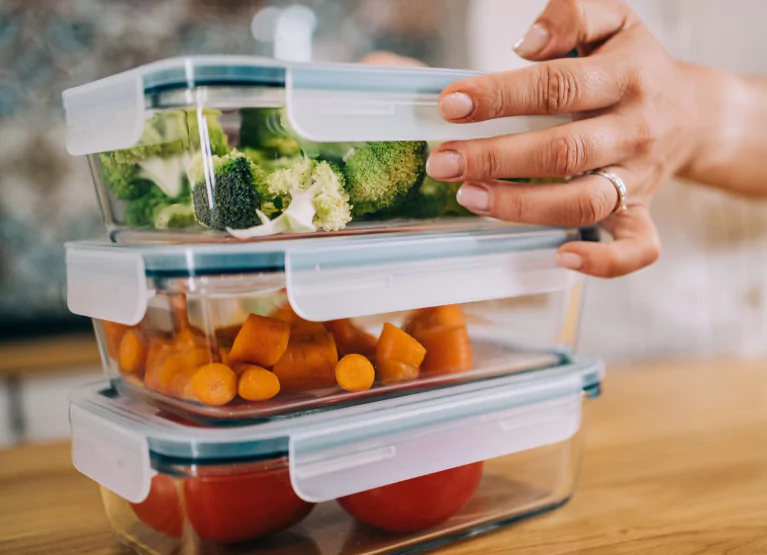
point(555, 87)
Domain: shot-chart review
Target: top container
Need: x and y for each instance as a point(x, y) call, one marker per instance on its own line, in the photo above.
point(240, 148)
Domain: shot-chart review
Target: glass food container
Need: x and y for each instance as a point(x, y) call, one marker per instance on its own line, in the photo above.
point(222, 148)
point(394, 476)
point(258, 330)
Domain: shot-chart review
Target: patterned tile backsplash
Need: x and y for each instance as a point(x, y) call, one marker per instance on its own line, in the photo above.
point(46, 196)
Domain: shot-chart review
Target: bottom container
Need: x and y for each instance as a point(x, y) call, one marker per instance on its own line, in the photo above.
point(395, 476)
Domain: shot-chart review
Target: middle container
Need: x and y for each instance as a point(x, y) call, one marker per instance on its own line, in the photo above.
point(256, 330)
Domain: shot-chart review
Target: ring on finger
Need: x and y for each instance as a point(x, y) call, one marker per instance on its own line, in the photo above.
point(615, 179)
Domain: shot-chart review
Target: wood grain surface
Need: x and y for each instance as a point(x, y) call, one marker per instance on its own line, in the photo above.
point(49, 354)
point(675, 463)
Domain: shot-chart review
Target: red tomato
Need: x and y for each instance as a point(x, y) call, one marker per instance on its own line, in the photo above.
point(242, 507)
point(161, 510)
point(418, 503)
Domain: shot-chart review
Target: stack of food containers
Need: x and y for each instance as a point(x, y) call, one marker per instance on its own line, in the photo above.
point(311, 347)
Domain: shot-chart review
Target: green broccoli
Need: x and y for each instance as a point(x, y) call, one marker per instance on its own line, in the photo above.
point(262, 129)
point(123, 179)
point(174, 216)
point(320, 185)
point(268, 161)
point(236, 187)
point(164, 149)
point(381, 174)
point(140, 212)
point(434, 199)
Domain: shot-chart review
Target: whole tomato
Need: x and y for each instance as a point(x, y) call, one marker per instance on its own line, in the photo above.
point(240, 507)
point(417, 503)
point(161, 510)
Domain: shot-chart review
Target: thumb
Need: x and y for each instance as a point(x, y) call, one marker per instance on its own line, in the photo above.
point(566, 25)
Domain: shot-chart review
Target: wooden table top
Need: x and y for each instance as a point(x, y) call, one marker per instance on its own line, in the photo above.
point(675, 463)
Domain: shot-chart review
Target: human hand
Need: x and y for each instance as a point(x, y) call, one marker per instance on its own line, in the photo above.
point(632, 115)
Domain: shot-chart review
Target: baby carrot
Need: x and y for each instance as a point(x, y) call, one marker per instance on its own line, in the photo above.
point(398, 355)
point(258, 384)
point(133, 352)
point(214, 384)
point(261, 340)
point(351, 339)
point(355, 373)
point(308, 363)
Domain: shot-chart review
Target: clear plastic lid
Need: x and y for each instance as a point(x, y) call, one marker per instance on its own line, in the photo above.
point(120, 443)
point(333, 278)
point(324, 102)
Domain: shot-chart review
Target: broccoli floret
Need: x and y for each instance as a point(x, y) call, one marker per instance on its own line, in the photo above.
point(236, 187)
point(434, 199)
point(380, 175)
point(262, 129)
point(164, 150)
point(174, 216)
point(328, 197)
point(123, 179)
point(140, 212)
point(267, 160)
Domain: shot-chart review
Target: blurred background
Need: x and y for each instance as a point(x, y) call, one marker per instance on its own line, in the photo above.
point(707, 296)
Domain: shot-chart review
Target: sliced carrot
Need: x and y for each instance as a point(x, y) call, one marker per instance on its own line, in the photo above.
point(398, 355)
point(392, 372)
point(159, 347)
point(297, 324)
point(223, 355)
point(258, 384)
point(226, 336)
point(133, 352)
point(435, 318)
point(351, 339)
point(262, 340)
point(355, 373)
point(177, 368)
point(113, 334)
point(442, 330)
point(447, 351)
point(214, 384)
point(308, 363)
point(240, 367)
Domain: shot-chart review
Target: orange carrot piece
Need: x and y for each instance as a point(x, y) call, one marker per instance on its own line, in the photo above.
point(355, 373)
point(447, 351)
point(133, 352)
point(223, 355)
point(177, 368)
point(442, 331)
point(159, 347)
point(262, 340)
point(350, 339)
point(258, 384)
point(113, 334)
point(214, 384)
point(392, 372)
point(297, 324)
point(308, 363)
point(435, 318)
point(396, 346)
point(226, 336)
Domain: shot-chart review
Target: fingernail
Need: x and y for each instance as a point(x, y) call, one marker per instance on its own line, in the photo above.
point(570, 261)
point(534, 41)
point(456, 105)
point(474, 197)
point(445, 165)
